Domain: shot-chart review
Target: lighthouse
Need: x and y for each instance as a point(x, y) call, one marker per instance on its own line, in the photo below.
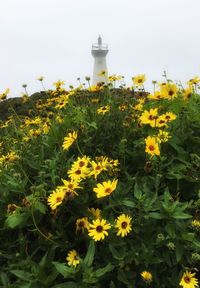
point(99, 52)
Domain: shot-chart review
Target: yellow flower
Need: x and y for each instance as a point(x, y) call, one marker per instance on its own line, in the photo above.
point(124, 225)
point(56, 198)
point(103, 110)
point(4, 95)
point(114, 77)
point(103, 73)
point(97, 230)
point(169, 116)
point(81, 162)
point(81, 224)
point(72, 258)
point(70, 185)
point(161, 121)
point(169, 90)
point(95, 88)
point(69, 140)
point(194, 81)
point(196, 224)
point(156, 96)
point(188, 280)
point(149, 117)
point(163, 136)
point(152, 147)
point(139, 79)
point(146, 276)
point(106, 188)
point(187, 93)
point(58, 84)
point(78, 173)
point(97, 168)
point(96, 213)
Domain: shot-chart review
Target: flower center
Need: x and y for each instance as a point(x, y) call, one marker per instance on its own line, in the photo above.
point(151, 147)
point(151, 117)
point(78, 172)
point(108, 190)
point(124, 225)
point(81, 163)
point(139, 80)
point(58, 199)
point(70, 186)
point(99, 229)
point(187, 279)
point(98, 167)
point(171, 92)
point(81, 224)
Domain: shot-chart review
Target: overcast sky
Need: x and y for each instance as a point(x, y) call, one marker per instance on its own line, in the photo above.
point(53, 38)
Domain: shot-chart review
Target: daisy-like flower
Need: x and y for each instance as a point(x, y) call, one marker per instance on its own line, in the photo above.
point(56, 198)
point(123, 224)
point(71, 185)
point(146, 276)
point(72, 258)
point(103, 109)
point(4, 95)
point(196, 224)
point(169, 116)
point(161, 121)
point(194, 81)
point(69, 140)
point(103, 73)
point(59, 83)
point(81, 162)
point(139, 79)
point(82, 224)
point(97, 168)
point(97, 230)
point(163, 136)
point(188, 280)
point(106, 188)
point(187, 93)
point(149, 117)
point(152, 147)
point(96, 213)
point(77, 173)
point(156, 96)
point(169, 91)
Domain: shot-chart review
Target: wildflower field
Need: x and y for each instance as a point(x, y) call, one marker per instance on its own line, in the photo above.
point(100, 186)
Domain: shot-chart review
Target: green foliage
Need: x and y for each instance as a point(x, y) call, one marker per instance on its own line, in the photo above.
point(160, 193)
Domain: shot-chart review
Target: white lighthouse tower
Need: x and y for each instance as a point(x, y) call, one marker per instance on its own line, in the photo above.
point(99, 52)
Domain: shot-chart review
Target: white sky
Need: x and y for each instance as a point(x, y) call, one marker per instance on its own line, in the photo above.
point(53, 38)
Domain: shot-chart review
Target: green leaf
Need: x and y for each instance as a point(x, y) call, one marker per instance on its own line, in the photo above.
point(22, 274)
point(88, 260)
point(69, 284)
point(40, 207)
point(179, 252)
point(117, 253)
point(137, 192)
point(128, 203)
point(93, 125)
point(181, 215)
point(63, 269)
point(16, 219)
point(156, 215)
point(101, 271)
